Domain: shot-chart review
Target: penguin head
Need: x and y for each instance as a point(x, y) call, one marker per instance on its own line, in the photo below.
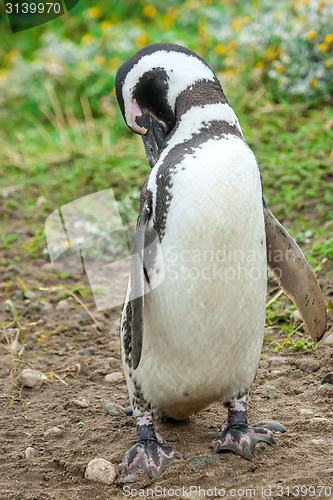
point(148, 86)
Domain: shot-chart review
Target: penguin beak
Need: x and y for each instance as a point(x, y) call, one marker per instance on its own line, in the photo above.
point(154, 138)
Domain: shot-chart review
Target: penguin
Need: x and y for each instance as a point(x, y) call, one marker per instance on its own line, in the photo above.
point(193, 317)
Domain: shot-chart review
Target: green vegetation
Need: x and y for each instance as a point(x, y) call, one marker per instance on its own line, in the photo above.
point(62, 135)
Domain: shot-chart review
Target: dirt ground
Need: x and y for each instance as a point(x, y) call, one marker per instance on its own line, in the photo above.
point(287, 384)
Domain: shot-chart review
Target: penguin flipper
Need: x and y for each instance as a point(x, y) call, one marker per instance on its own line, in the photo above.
point(293, 273)
point(137, 286)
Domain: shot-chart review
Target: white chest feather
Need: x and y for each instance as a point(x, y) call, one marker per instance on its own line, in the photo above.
point(203, 326)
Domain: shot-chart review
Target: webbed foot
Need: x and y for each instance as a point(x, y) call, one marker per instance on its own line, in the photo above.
point(236, 436)
point(149, 454)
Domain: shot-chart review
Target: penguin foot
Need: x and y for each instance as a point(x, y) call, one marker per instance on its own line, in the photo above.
point(235, 434)
point(242, 439)
point(149, 454)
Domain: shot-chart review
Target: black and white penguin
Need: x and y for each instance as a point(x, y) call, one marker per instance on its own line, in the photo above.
point(193, 317)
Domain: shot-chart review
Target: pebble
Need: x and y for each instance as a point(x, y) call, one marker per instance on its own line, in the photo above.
point(85, 352)
point(47, 268)
point(270, 387)
point(31, 378)
point(305, 411)
point(271, 425)
point(46, 306)
point(199, 462)
point(53, 431)
point(114, 378)
point(128, 411)
point(29, 294)
point(100, 470)
point(83, 403)
point(328, 471)
point(62, 305)
point(84, 315)
point(113, 409)
point(328, 379)
point(309, 365)
point(29, 452)
point(128, 479)
point(276, 360)
point(329, 339)
point(317, 442)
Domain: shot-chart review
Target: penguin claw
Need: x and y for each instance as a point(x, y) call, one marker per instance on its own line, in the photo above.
point(242, 440)
point(149, 456)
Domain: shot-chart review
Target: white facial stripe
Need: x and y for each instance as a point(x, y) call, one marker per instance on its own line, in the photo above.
point(182, 69)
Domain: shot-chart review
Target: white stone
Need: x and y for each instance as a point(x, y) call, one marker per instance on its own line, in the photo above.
point(83, 403)
point(29, 452)
point(114, 377)
point(53, 431)
point(31, 378)
point(100, 470)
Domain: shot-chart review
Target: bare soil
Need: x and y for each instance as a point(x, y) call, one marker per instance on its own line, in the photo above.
point(286, 383)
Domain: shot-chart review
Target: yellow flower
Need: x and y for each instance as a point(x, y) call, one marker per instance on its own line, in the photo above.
point(329, 38)
point(246, 19)
point(87, 39)
point(106, 25)
point(99, 60)
point(313, 83)
point(280, 68)
point(220, 49)
point(236, 25)
point(232, 45)
point(203, 30)
point(149, 11)
point(323, 47)
point(311, 34)
point(170, 18)
point(94, 12)
point(328, 63)
point(260, 64)
point(115, 62)
point(3, 74)
point(277, 15)
point(11, 57)
point(142, 40)
point(229, 73)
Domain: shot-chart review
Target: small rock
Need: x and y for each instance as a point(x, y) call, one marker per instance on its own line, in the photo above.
point(29, 452)
point(272, 425)
point(47, 268)
point(317, 442)
point(128, 479)
point(100, 470)
point(62, 305)
point(309, 365)
point(305, 411)
point(199, 462)
point(113, 409)
point(29, 294)
point(85, 352)
point(128, 411)
point(276, 360)
point(53, 431)
point(45, 305)
point(329, 339)
point(328, 471)
point(270, 387)
point(114, 378)
point(328, 379)
point(31, 378)
point(83, 403)
point(84, 316)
